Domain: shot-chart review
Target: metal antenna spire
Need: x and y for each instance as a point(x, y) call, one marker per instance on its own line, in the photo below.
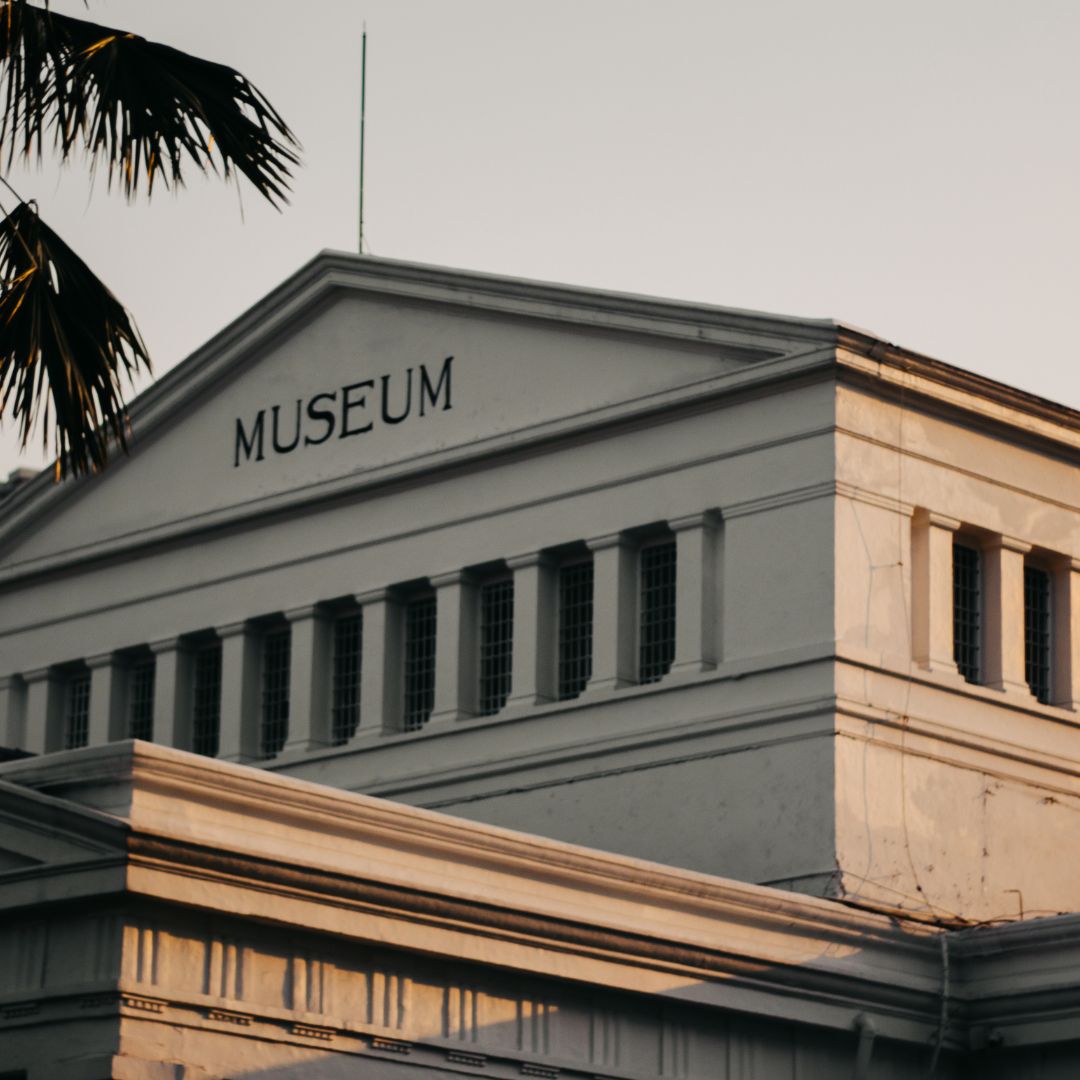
point(363, 96)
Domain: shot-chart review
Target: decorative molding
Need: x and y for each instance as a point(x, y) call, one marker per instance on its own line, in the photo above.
point(227, 1016)
point(310, 1031)
point(461, 1057)
point(451, 577)
point(99, 1001)
point(609, 540)
point(922, 516)
point(143, 1004)
point(1007, 543)
point(812, 492)
point(529, 558)
point(306, 611)
point(392, 1046)
point(20, 1009)
point(381, 595)
point(176, 643)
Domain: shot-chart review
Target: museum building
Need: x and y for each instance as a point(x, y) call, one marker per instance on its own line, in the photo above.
point(534, 680)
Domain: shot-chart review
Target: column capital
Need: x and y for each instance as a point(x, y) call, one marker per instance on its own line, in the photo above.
point(166, 645)
point(8, 681)
point(530, 558)
point(922, 516)
point(41, 674)
point(232, 629)
point(100, 660)
point(451, 577)
point(704, 519)
point(374, 596)
point(1007, 543)
point(306, 611)
point(609, 540)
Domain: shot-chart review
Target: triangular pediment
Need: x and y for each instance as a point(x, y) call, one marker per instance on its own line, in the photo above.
point(360, 369)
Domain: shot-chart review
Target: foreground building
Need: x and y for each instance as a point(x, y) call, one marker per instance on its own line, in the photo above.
point(766, 600)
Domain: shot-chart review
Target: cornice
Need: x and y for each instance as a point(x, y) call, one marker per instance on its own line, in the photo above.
point(158, 776)
point(862, 356)
point(432, 884)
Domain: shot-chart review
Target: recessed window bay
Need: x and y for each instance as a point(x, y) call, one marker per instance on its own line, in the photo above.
point(353, 409)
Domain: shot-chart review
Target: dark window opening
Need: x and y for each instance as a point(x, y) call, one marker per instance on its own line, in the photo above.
point(967, 611)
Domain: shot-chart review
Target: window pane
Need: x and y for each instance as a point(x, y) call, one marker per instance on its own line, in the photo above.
point(1037, 632)
point(496, 644)
point(77, 711)
point(345, 709)
point(206, 703)
point(967, 611)
point(141, 700)
point(575, 628)
point(419, 662)
point(275, 693)
point(657, 648)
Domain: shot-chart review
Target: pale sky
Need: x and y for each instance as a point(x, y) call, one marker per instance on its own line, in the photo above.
point(910, 168)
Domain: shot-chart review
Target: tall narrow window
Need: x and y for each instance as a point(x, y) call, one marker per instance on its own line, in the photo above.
point(275, 692)
point(575, 628)
point(206, 700)
point(419, 662)
point(967, 611)
point(345, 706)
point(77, 711)
point(657, 626)
point(496, 644)
point(141, 699)
point(1037, 632)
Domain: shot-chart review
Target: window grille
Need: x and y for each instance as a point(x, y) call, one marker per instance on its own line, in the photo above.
point(1037, 632)
point(657, 613)
point(496, 644)
point(141, 700)
point(345, 706)
point(206, 701)
point(967, 611)
point(575, 628)
point(419, 662)
point(77, 711)
point(275, 692)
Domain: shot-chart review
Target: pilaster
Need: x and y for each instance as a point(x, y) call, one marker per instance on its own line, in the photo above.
point(239, 692)
point(932, 591)
point(614, 613)
point(697, 592)
point(107, 686)
point(1066, 635)
point(309, 679)
point(1003, 564)
point(380, 661)
point(44, 710)
point(456, 658)
point(172, 692)
point(533, 679)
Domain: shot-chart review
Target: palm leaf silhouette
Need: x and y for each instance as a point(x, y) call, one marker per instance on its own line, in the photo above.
point(144, 111)
point(65, 341)
point(141, 107)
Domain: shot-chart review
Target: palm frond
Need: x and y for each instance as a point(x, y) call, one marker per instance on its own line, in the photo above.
point(65, 341)
point(143, 108)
